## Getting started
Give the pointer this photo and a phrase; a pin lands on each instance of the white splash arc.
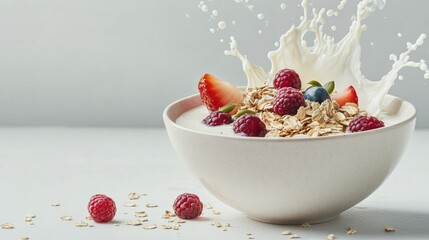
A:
(328, 60)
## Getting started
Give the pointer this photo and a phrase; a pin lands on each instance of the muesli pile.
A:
(283, 109)
(313, 119)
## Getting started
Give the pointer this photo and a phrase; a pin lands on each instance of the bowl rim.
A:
(168, 120)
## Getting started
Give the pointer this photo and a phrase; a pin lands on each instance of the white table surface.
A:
(43, 166)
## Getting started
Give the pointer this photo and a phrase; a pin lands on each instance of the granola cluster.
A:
(313, 119)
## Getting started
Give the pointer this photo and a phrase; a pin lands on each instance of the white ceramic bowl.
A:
(295, 180)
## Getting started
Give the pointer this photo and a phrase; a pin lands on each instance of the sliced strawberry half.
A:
(348, 95)
(216, 93)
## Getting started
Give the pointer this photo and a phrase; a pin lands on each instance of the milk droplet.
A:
(215, 13)
(187, 15)
(276, 44)
(399, 35)
(222, 25)
(233, 22)
(301, 18)
(204, 8)
(330, 13)
(334, 28)
(336, 14)
(283, 6)
(260, 16)
(342, 4)
(371, 43)
(260, 31)
(221, 40)
(212, 30)
(401, 77)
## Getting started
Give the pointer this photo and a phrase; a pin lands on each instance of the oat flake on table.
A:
(7, 226)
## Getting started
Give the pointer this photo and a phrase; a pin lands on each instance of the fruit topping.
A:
(287, 78)
(188, 206)
(217, 118)
(216, 93)
(316, 94)
(287, 101)
(249, 125)
(101, 208)
(348, 95)
(365, 123)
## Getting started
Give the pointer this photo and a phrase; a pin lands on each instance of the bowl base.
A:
(292, 221)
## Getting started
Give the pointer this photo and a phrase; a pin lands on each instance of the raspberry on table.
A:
(250, 125)
(188, 206)
(287, 78)
(365, 123)
(287, 101)
(217, 118)
(101, 208)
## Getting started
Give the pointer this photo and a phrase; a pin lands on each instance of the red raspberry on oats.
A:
(365, 123)
(287, 101)
(188, 206)
(250, 126)
(287, 78)
(218, 118)
(101, 208)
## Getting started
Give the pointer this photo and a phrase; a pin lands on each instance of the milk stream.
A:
(327, 60)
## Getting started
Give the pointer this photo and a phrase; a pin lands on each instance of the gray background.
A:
(120, 62)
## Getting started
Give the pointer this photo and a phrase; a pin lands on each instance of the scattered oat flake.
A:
(29, 217)
(250, 237)
(167, 214)
(287, 233)
(149, 226)
(167, 227)
(89, 218)
(351, 231)
(117, 225)
(31, 223)
(208, 206)
(305, 225)
(55, 204)
(215, 212)
(176, 226)
(293, 236)
(91, 225)
(151, 205)
(140, 214)
(330, 237)
(25, 238)
(130, 204)
(66, 218)
(7, 226)
(389, 229)
(133, 196)
(180, 221)
(82, 224)
(133, 223)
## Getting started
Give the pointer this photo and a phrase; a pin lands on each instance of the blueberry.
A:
(316, 94)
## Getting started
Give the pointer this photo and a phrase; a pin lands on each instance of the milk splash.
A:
(327, 60)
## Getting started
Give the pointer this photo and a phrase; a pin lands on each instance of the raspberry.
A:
(250, 125)
(188, 206)
(287, 101)
(287, 78)
(101, 208)
(217, 118)
(364, 123)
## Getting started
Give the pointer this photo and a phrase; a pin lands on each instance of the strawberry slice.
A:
(216, 93)
(348, 95)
